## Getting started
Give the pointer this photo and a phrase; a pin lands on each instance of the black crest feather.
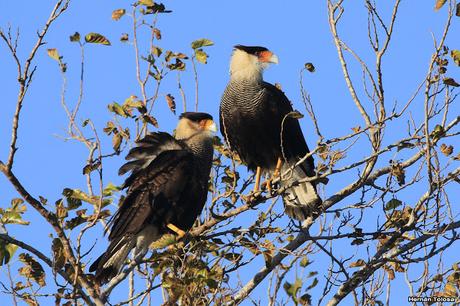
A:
(251, 49)
(195, 116)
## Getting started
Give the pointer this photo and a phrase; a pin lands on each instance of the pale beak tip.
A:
(213, 127)
(274, 59)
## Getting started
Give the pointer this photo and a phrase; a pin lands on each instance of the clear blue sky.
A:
(297, 31)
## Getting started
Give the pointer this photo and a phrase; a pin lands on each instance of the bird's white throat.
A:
(244, 66)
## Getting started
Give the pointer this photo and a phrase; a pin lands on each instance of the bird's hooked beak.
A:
(208, 125)
(268, 57)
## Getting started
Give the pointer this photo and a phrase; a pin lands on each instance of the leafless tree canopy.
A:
(394, 217)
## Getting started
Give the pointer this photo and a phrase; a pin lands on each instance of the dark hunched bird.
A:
(255, 123)
(166, 190)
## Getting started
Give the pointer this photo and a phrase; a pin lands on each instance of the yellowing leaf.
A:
(439, 4)
(157, 33)
(116, 142)
(201, 56)
(357, 241)
(446, 150)
(391, 273)
(358, 263)
(450, 290)
(150, 119)
(32, 269)
(117, 14)
(59, 258)
(455, 54)
(310, 67)
(146, 2)
(398, 171)
(157, 51)
(450, 82)
(96, 38)
(53, 53)
(295, 114)
(356, 129)
(124, 37)
(171, 103)
(75, 37)
(199, 43)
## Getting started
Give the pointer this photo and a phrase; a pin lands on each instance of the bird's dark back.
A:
(251, 115)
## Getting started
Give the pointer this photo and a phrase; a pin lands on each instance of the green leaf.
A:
(77, 194)
(392, 204)
(133, 102)
(164, 241)
(11, 217)
(304, 261)
(91, 167)
(199, 43)
(109, 189)
(293, 289)
(96, 38)
(7, 251)
(313, 284)
(118, 109)
(437, 132)
(13, 214)
(201, 56)
(75, 37)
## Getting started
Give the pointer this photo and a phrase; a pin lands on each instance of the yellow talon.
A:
(258, 175)
(279, 163)
(180, 233)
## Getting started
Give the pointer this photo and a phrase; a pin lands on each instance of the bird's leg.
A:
(257, 183)
(277, 171)
(180, 233)
(279, 163)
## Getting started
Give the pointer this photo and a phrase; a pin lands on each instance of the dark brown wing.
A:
(294, 144)
(153, 192)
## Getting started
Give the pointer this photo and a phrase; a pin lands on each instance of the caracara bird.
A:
(166, 190)
(253, 115)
